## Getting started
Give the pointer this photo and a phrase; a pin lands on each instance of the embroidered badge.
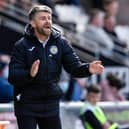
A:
(53, 49)
(31, 49)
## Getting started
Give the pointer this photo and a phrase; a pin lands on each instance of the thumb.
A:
(37, 62)
(98, 62)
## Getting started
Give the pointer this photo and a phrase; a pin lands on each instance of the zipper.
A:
(45, 61)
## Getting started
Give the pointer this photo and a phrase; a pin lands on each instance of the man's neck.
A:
(41, 37)
(94, 104)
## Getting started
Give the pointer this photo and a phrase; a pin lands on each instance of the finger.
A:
(98, 62)
(36, 63)
(35, 67)
(100, 68)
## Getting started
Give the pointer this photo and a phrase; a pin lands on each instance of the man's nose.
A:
(47, 20)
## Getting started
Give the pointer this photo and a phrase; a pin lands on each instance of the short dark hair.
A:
(94, 89)
(114, 81)
(93, 13)
(38, 8)
(108, 2)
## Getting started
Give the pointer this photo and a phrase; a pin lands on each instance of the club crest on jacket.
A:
(53, 50)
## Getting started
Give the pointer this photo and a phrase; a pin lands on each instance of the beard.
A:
(46, 31)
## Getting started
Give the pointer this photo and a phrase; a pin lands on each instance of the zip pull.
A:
(44, 45)
(50, 57)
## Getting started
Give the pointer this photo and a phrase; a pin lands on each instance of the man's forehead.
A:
(43, 14)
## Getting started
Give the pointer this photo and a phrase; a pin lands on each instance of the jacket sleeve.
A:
(72, 63)
(18, 72)
(91, 119)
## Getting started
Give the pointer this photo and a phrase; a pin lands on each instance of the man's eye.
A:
(42, 18)
(49, 18)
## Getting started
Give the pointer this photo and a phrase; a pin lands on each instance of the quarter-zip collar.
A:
(29, 33)
(44, 43)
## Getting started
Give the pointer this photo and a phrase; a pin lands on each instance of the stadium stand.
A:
(13, 22)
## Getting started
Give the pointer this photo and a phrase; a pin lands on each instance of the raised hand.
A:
(34, 68)
(96, 67)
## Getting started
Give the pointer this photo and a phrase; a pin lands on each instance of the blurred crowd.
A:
(111, 88)
(6, 89)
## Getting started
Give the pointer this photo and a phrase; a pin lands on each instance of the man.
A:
(35, 68)
(109, 28)
(92, 115)
(94, 30)
(111, 7)
(111, 87)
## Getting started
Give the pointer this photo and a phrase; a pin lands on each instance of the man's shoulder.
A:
(87, 107)
(62, 40)
(21, 42)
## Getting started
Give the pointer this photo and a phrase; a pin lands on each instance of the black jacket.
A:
(56, 53)
(89, 117)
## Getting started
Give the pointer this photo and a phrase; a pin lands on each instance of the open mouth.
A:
(47, 27)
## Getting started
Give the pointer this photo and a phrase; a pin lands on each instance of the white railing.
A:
(115, 111)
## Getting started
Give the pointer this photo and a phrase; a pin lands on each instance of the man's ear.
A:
(32, 24)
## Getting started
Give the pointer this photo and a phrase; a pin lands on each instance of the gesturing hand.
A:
(96, 67)
(34, 68)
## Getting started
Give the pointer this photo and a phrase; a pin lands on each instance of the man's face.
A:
(100, 19)
(42, 23)
(94, 97)
(113, 8)
(110, 23)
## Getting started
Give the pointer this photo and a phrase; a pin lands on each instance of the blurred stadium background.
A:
(71, 17)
